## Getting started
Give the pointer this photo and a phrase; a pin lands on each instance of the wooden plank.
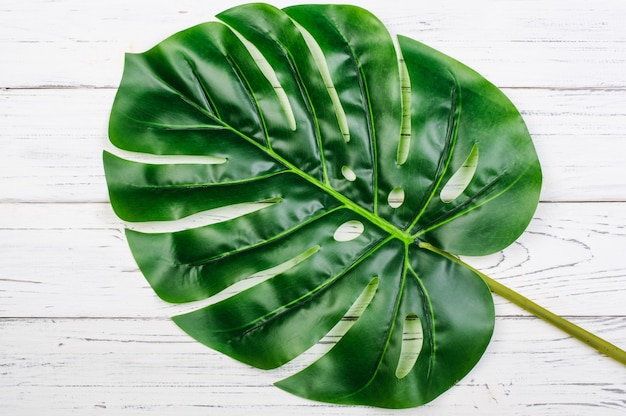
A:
(147, 366)
(53, 145)
(56, 156)
(72, 260)
(578, 141)
(83, 333)
(513, 43)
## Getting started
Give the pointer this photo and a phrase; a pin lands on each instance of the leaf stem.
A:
(568, 327)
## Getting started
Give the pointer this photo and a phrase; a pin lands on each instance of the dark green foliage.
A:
(332, 156)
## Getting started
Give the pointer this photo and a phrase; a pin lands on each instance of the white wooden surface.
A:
(82, 333)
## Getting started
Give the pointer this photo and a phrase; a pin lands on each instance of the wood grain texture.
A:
(82, 333)
(515, 43)
(569, 255)
(148, 366)
(54, 139)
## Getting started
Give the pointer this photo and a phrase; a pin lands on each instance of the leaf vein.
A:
(449, 144)
(446, 215)
(262, 243)
(207, 184)
(310, 295)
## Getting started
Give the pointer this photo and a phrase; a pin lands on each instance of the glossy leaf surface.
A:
(362, 152)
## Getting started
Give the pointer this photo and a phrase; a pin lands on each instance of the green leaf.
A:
(369, 161)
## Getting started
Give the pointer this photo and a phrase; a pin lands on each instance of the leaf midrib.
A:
(347, 202)
(385, 225)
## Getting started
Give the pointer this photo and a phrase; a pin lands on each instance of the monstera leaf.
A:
(370, 163)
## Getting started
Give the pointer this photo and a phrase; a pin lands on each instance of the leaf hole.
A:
(412, 339)
(363, 301)
(354, 313)
(328, 342)
(349, 231)
(396, 197)
(348, 173)
(270, 75)
(154, 159)
(249, 282)
(461, 178)
(322, 65)
(404, 144)
(201, 219)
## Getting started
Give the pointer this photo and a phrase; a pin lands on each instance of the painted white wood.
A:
(53, 140)
(82, 333)
(72, 260)
(148, 366)
(530, 43)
